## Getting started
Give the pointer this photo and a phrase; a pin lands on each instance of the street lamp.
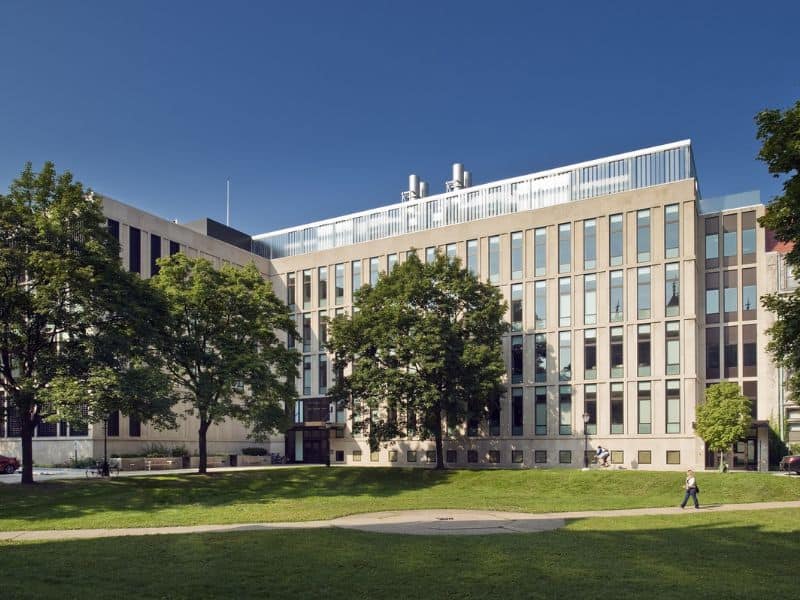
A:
(586, 417)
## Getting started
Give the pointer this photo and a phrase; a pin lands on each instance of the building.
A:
(628, 294)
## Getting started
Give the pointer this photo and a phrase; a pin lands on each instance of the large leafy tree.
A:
(221, 349)
(779, 132)
(724, 417)
(426, 342)
(65, 312)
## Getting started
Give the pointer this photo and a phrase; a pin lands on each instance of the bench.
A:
(157, 464)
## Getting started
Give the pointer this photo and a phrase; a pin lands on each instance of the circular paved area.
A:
(448, 522)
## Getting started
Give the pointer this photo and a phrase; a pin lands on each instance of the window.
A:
(322, 286)
(617, 457)
(472, 256)
(356, 457)
(540, 304)
(411, 456)
(451, 456)
(750, 391)
(672, 289)
(391, 262)
(564, 302)
(540, 456)
(643, 350)
(645, 414)
(450, 252)
(731, 351)
(730, 295)
(375, 456)
(540, 358)
(749, 237)
(306, 375)
(673, 341)
(392, 455)
(564, 356)
(339, 284)
(155, 254)
(729, 239)
(374, 271)
(306, 332)
(430, 456)
(643, 235)
(494, 456)
(749, 351)
(517, 412)
(673, 457)
(516, 359)
(113, 229)
(174, 248)
(472, 456)
(306, 289)
(617, 408)
(135, 250)
(749, 295)
(712, 297)
(540, 251)
(617, 352)
(590, 354)
(494, 259)
(590, 408)
(516, 307)
(494, 420)
(430, 255)
(589, 299)
(643, 293)
(291, 296)
(473, 426)
(564, 248)
(134, 427)
(540, 410)
(589, 244)
(671, 231)
(565, 457)
(615, 243)
(564, 410)
(712, 353)
(322, 374)
(673, 393)
(712, 242)
(516, 255)
(339, 456)
(644, 457)
(355, 276)
(516, 456)
(615, 300)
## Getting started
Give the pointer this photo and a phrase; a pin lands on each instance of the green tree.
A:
(779, 132)
(64, 305)
(724, 417)
(426, 342)
(221, 349)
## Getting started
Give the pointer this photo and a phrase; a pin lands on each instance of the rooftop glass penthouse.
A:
(620, 173)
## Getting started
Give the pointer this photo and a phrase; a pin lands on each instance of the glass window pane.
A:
(516, 359)
(516, 307)
(643, 235)
(673, 392)
(564, 302)
(643, 399)
(472, 256)
(643, 293)
(617, 408)
(564, 356)
(516, 255)
(590, 354)
(564, 410)
(671, 231)
(494, 259)
(617, 352)
(589, 299)
(615, 298)
(540, 251)
(564, 248)
(672, 289)
(540, 304)
(540, 358)
(589, 244)
(643, 350)
(616, 240)
(540, 404)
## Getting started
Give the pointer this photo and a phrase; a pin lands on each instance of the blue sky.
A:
(315, 109)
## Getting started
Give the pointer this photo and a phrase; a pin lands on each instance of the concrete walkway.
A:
(410, 522)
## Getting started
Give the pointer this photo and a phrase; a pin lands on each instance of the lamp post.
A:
(586, 417)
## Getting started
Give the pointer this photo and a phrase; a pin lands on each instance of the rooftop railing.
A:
(620, 173)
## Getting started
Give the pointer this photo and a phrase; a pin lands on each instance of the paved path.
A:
(412, 522)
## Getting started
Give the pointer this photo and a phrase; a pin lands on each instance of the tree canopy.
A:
(65, 309)
(424, 349)
(724, 417)
(221, 348)
(779, 132)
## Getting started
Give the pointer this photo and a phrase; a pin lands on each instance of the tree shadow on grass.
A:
(714, 555)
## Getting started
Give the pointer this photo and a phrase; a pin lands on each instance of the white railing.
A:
(623, 172)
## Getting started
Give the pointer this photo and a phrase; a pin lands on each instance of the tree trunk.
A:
(28, 425)
(204, 425)
(438, 437)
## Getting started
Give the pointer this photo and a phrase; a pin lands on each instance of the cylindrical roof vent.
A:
(413, 185)
(467, 179)
(423, 189)
(458, 175)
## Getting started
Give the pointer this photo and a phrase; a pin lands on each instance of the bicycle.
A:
(98, 470)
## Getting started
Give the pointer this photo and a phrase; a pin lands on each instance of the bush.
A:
(156, 450)
(253, 451)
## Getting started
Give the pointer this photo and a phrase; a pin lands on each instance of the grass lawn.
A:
(688, 555)
(317, 493)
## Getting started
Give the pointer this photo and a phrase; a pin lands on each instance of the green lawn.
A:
(687, 555)
(318, 493)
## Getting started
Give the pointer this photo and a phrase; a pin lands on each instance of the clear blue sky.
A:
(315, 109)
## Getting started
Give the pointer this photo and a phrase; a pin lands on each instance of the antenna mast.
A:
(228, 202)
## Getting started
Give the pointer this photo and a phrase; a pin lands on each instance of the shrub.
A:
(155, 450)
(253, 451)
